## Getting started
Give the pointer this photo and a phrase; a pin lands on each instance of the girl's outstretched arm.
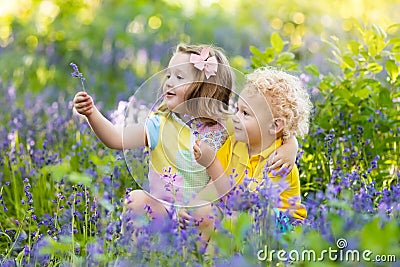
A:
(284, 157)
(111, 135)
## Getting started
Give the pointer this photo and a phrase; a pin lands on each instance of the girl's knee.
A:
(139, 202)
(134, 197)
(206, 216)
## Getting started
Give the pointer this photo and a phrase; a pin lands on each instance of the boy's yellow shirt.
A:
(235, 160)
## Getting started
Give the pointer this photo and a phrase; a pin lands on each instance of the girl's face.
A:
(179, 75)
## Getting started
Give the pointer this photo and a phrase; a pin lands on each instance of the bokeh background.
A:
(118, 44)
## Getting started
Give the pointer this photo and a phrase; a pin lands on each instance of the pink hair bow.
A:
(203, 61)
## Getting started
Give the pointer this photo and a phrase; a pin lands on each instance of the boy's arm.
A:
(284, 157)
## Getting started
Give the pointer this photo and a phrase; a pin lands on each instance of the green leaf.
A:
(393, 26)
(269, 55)
(314, 241)
(383, 240)
(384, 97)
(392, 69)
(52, 247)
(354, 47)
(381, 33)
(57, 171)
(254, 50)
(285, 57)
(374, 67)
(80, 178)
(362, 93)
(277, 42)
(348, 60)
(259, 58)
(243, 223)
(343, 93)
(312, 69)
(394, 41)
(337, 224)
(105, 160)
(256, 62)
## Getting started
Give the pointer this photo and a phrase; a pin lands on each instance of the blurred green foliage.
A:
(119, 43)
(355, 127)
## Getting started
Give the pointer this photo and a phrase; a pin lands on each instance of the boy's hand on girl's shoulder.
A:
(278, 163)
(203, 153)
(83, 103)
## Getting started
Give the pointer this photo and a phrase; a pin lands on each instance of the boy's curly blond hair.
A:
(287, 98)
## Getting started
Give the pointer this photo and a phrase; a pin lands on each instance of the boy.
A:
(272, 107)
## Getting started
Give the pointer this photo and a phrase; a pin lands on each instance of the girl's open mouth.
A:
(170, 94)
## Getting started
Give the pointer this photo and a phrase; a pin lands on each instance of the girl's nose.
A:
(168, 83)
(235, 118)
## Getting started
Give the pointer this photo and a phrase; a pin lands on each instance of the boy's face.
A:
(252, 119)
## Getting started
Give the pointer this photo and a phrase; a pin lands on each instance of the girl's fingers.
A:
(84, 104)
(197, 152)
(184, 215)
(79, 97)
(86, 109)
(83, 99)
(196, 148)
(81, 93)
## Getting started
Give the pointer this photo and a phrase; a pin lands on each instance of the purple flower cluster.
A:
(48, 218)
(77, 74)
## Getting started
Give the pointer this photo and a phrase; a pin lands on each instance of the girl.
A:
(198, 84)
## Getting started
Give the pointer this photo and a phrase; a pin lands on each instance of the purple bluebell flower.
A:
(78, 74)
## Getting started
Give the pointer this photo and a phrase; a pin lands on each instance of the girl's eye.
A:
(168, 76)
(245, 113)
(179, 77)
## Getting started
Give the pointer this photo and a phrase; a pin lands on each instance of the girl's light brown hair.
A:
(212, 95)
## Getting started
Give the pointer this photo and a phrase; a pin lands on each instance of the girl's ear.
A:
(276, 126)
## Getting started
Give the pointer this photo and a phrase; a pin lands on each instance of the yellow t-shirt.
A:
(235, 160)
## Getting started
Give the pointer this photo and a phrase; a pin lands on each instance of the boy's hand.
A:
(203, 153)
(279, 163)
(83, 103)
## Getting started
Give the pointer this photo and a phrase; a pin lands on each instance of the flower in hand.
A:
(77, 74)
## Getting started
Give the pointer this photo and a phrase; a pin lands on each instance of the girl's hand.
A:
(83, 103)
(184, 218)
(203, 153)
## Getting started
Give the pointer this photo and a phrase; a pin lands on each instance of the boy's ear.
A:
(276, 126)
